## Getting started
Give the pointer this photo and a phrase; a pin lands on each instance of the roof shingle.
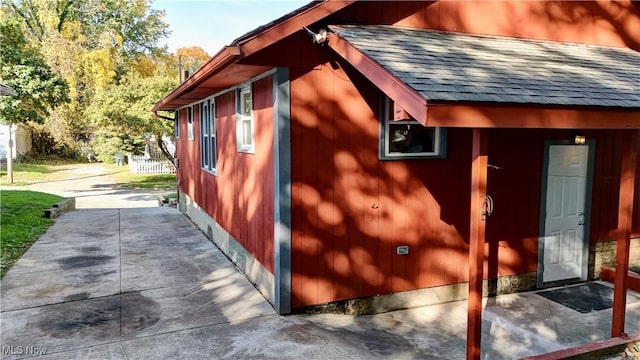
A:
(446, 66)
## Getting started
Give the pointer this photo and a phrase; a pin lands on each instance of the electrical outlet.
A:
(402, 250)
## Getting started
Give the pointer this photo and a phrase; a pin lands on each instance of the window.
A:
(190, 122)
(176, 123)
(208, 145)
(244, 121)
(407, 138)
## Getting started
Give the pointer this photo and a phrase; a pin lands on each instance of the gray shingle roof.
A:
(446, 66)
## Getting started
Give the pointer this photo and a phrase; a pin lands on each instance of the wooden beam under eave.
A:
(479, 163)
(530, 116)
(401, 93)
(630, 151)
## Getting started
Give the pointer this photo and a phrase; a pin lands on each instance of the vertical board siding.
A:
(602, 23)
(351, 211)
(604, 212)
(240, 197)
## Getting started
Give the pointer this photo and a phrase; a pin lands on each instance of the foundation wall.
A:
(603, 254)
(256, 273)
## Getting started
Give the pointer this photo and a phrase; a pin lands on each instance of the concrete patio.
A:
(145, 283)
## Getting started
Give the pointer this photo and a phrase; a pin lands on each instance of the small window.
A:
(176, 123)
(208, 145)
(244, 121)
(190, 122)
(407, 138)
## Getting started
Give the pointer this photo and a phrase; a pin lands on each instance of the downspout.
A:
(163, 117)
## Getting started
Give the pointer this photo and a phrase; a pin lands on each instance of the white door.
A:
(564, 235)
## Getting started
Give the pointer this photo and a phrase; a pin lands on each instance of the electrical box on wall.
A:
(402, 250)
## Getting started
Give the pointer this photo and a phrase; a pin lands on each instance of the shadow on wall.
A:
(350, 210)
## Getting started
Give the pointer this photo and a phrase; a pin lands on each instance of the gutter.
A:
(224, 57)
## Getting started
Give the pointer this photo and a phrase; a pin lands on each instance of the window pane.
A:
(205, 152)
(246, 103)
(411, 138)
(246, 132)
(214, 156)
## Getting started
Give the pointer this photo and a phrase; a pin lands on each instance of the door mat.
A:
(584, 298)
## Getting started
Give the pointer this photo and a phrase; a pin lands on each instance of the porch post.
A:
(625, 221)
(477, 225)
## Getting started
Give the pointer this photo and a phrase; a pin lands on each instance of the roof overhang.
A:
(225, 69)
(447, 111)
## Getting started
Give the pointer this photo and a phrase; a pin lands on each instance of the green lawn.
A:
(29, 173)
(138, 181)
(25, 173)
(21, 223)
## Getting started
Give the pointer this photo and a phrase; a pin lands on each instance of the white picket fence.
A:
(140, 164)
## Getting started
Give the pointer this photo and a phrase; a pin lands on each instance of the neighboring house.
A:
(356, 166)
(20, 135)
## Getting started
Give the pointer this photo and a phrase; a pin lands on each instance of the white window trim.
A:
(190, 122)
(385, 154)
(242, 119)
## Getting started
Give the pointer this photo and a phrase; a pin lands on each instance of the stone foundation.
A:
(603, 254)
(423, 297)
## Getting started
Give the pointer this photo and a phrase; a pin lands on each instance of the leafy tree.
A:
(96, 46)
(122, 116)
(191, 58)
(23, 68)
(132, 24)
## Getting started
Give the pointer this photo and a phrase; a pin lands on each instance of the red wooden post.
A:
(476, 241)
(625, 220)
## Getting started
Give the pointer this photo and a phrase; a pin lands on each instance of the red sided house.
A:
(393, 152)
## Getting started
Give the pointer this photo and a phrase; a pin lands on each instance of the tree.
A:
(23, 68)
(95, 45)
(131, 23)
(191, 58)
(122, 116)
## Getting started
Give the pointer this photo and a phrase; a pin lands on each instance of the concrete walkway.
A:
(144, 283)
(93, 187)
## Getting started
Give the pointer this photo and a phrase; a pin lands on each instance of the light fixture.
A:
(578, 138)
(318, 38)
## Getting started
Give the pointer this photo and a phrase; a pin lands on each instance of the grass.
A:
(29, 173)
(21, 212)
(25, 173)
(21, 223)
(125, 179)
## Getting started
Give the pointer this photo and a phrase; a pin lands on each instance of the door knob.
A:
(580, 214)
(580, 222)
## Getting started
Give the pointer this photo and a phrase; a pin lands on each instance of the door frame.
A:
(591, 144)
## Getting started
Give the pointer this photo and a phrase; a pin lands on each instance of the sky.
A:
(213, 24)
